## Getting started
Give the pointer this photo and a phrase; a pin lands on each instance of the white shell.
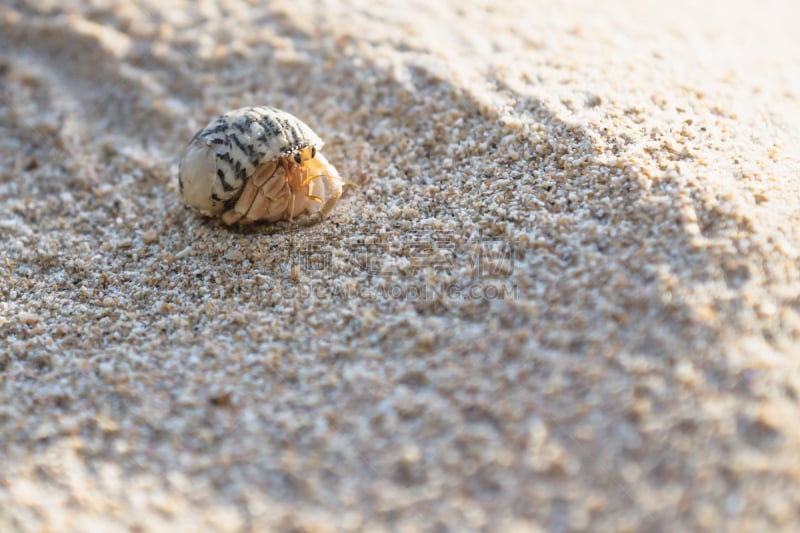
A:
(221, 156)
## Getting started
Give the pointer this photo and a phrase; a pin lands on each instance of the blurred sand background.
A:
(633, 368)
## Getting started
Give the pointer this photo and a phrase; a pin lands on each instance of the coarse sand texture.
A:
(559, 292)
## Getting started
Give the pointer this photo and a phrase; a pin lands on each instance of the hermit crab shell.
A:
(223, 155)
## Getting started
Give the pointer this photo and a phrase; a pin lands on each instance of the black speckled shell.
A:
(244, 139)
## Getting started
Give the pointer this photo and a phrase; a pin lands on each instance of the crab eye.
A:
(297, 158)
(313, 152)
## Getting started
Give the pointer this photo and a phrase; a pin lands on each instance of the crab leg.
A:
(245, 204)
(242, 206)
(273, 196)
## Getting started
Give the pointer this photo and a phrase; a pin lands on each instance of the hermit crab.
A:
(258, 163)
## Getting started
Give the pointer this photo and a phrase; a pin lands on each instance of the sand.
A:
(560, 292)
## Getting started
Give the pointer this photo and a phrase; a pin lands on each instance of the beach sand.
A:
(561, 290)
